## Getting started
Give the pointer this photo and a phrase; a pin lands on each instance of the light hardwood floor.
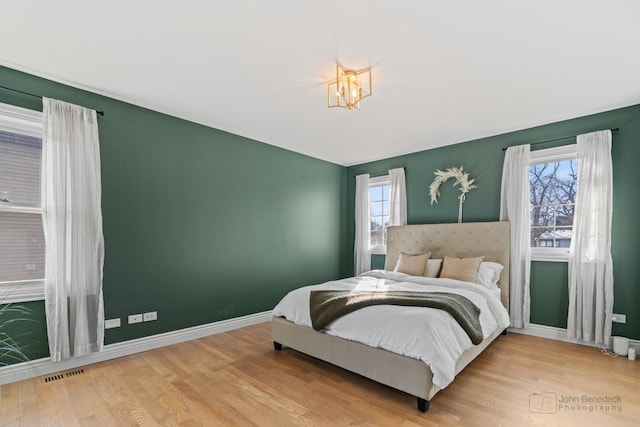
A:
(236, 378)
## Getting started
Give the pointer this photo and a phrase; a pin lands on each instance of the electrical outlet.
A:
(112, 323)
(148, 317)
(135, 318)
(619, 318)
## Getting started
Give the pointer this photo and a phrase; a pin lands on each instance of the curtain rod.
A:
(34, 96)
(558, 139)
(379, 173)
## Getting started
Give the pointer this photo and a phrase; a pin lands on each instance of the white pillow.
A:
(489, 274)
(432, 268)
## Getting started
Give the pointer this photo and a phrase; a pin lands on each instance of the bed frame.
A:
(412, 376)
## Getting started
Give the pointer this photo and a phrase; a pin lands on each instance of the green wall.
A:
(200, 225)
(27, 328)
(483, 159)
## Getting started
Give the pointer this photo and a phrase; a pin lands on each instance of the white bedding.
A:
(402, 329)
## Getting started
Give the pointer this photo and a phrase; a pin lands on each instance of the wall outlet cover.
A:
(619, 318)
(135, 318)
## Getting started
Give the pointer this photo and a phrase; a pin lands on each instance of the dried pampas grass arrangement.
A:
(461, 180)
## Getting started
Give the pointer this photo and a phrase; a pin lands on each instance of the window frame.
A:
(548, 155)
(377, 182)
(26, 122)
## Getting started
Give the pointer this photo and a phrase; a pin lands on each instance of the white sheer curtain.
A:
(514, 207)
(397, 197)
(590, 262)
(72, 219)
(362, 250)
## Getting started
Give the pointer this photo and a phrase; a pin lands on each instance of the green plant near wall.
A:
(10, 351)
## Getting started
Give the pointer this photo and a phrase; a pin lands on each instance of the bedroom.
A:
(181, 224)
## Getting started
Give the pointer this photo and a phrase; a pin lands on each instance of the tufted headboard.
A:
(465, 240)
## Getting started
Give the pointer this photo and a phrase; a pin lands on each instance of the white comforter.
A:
(401, 329)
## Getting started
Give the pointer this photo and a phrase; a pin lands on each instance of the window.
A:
(553, 184)
(22, 247)
(379, 213)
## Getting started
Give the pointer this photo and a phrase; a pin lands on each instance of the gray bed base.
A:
(412, 376)
(490, 239)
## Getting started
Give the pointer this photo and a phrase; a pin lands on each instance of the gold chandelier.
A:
(349, 88)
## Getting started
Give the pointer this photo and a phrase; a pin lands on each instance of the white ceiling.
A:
(443, 71)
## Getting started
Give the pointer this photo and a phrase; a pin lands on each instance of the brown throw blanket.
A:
(327, 306)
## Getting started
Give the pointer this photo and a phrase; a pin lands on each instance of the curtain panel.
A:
(514, 207)
(362, 250)
(590, 261)
(397, 197)
(72, 220)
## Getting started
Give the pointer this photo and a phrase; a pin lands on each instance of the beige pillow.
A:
(464, 269)
(412, 264)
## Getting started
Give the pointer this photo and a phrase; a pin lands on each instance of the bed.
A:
(408, 374)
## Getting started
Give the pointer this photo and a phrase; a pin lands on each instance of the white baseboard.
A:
(560, 334)
(45, 366)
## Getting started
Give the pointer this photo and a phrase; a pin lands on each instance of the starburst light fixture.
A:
(349, 88)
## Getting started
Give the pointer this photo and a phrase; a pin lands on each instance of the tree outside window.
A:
(554, 187)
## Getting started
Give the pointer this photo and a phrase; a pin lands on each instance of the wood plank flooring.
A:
(237, 379)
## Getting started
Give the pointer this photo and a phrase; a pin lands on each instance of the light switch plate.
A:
(151, 315)
(112, 323)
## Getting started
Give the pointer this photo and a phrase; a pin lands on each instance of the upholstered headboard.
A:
(465, 240)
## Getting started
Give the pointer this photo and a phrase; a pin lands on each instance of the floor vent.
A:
(63, 375)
